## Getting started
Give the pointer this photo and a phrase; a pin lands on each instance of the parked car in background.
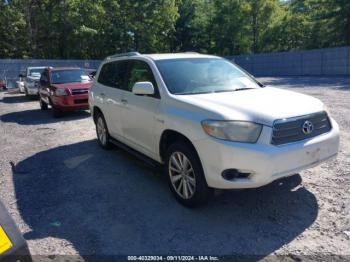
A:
(211, 124)
(12, 245)
(64, 89)
(3, 84)
(31, 80)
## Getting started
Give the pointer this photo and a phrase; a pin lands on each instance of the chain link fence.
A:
(318, 62)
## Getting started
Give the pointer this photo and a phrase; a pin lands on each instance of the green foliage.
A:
(13, 42)
(97, 28)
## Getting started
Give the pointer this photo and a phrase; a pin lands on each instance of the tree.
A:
(13, 40)
(262, 18)
(331, 22)
(193, 26)
(98, 28)
(291, 29)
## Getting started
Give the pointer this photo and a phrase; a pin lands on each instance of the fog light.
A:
(232, 174)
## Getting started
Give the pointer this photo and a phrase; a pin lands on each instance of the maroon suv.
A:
(64, 89)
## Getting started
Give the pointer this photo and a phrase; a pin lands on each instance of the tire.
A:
(26, 92)
(102, 133)
(43, 105)
(198, 192)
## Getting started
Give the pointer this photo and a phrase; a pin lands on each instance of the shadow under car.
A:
(38, 117)
(108, 203)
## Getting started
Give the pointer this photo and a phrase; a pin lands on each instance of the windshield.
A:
(69, 76)
(203, 75)
(36, 71)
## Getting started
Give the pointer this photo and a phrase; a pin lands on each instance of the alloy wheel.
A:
(182, 175)
(101, 131)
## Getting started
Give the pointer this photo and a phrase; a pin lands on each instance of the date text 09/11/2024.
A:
(173, 258)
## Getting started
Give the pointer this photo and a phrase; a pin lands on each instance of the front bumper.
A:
(264, 161)
(71, 102)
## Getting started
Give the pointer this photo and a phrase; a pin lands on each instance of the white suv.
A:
(209, 123)
(31, 80)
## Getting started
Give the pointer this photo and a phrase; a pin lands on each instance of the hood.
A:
(72, 86)
(261, 105)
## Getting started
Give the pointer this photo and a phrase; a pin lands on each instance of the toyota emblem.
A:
(308, 127)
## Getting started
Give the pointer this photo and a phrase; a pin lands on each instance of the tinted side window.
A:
(140, 71)
(113, 74)
(105, 77)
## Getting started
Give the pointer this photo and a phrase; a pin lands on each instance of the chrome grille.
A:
(80, 91)
(291, 130)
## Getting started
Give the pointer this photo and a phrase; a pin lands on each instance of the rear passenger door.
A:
(110, 83)
(139, 112)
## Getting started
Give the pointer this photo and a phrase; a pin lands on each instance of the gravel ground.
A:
(70, 197)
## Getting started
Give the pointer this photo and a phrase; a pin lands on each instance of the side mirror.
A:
(143, 88)
(20, 75)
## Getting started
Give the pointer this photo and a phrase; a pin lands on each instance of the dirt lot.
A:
(70, 197)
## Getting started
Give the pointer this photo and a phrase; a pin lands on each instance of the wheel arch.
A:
(95, 111)
(169, 137)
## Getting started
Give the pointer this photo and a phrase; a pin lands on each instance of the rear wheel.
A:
(185, 175)
(43, 105)
(102, 132)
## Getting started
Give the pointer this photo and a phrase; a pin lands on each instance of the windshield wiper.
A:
(232, 90)
(247, 88)
(222, 91)
(217, 91)
(193, 93)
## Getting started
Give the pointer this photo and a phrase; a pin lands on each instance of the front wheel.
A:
(102, 132)
(185, 175)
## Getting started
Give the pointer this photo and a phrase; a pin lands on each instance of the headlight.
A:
(61, 92)
(238, 131)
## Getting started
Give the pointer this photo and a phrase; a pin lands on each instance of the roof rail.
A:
(123, 54)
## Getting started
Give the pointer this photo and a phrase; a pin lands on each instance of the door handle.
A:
(124, 101)
(102, 94)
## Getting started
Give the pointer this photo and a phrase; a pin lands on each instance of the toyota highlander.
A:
(208, 122)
